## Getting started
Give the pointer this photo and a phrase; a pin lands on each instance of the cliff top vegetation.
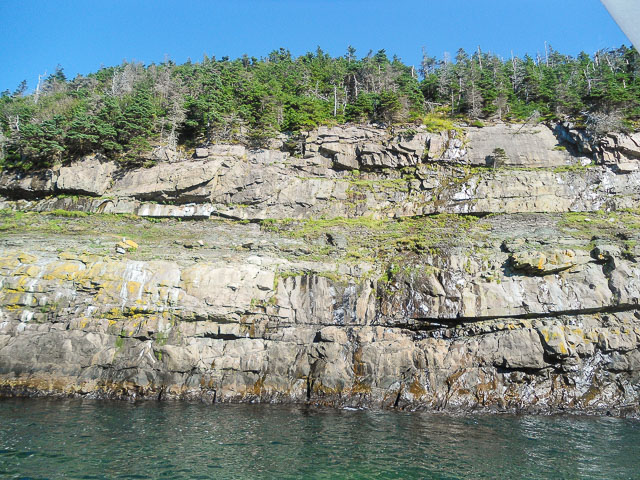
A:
(122, 111)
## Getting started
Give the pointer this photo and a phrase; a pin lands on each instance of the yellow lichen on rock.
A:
(131, 244)
(27, 270)
(9, 261)
(543, 262)
(27, 258)
(62, 270)
(67, 256)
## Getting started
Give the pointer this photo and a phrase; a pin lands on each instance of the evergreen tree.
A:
(122, 111)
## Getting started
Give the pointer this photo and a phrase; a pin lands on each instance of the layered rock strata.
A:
(351, 172)
(341, 292)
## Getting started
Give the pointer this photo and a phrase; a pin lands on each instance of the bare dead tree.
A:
(124, 79)
(546, 54)
(600, 123)
(474, 98)
(3, 144)
(501, 103)
(587, 78)
(36, 95)
(515, 78)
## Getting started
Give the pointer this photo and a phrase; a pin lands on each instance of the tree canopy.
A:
(123, 111)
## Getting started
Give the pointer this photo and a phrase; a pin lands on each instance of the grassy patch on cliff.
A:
(97, 225)
(438, 123)
(340, 242)
(618, 225)
(374, 239)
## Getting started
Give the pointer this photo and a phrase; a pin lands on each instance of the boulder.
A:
(628, 167)
(126, 246)
(201, 152)
(606, 252)
(221, 150)
(543, 262)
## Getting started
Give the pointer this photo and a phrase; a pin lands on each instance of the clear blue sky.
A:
(81, 36)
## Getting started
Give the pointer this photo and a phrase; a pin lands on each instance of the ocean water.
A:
(42, 438)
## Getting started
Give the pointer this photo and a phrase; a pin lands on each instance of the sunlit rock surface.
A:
(485, 268)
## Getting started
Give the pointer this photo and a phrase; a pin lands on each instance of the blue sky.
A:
(81, 36)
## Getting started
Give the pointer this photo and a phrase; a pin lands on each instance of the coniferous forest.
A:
(123, 111)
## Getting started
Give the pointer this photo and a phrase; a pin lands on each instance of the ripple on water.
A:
(95, 440)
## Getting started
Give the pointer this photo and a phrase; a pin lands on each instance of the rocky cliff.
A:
(491, 268)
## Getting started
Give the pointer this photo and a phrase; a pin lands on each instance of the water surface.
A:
(98, 439)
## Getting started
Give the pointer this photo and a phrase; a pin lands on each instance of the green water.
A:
(92, 439)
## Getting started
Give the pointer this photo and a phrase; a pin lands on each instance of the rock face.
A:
(359, 302)
(523, 146)
(350, 172)
(89, 177)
